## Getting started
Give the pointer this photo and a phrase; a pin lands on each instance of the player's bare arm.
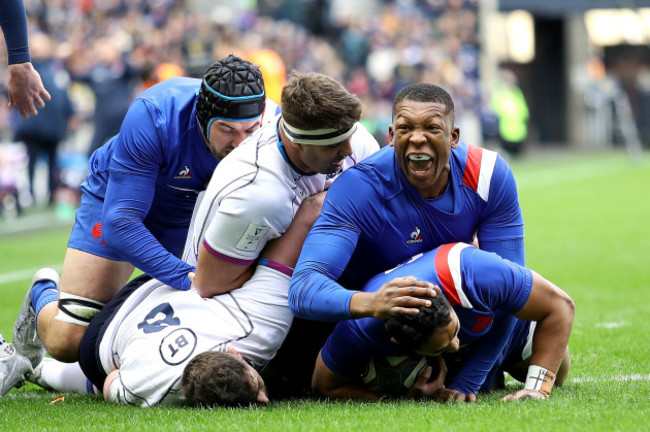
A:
(217, 276)
(327, 383)
(107, 383)
(554, 312)
(397, 296)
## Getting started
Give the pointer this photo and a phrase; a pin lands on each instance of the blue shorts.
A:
(86, 232)
(88, 354)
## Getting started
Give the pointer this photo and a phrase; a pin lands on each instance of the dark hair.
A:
(424, 92)
(412, 331)
(232, 88)
(215, 378)
(316, 101)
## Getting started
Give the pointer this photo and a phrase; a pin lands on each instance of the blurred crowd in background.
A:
(94, 57)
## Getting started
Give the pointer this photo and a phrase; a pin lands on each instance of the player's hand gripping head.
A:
(230, 103)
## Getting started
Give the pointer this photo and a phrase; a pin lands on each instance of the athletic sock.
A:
(43, 293)
(64, 377)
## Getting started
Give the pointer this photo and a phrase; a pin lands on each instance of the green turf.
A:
(587, 229)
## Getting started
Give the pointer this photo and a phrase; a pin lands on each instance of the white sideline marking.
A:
(619, 378)
(26, 274)
(610, 325)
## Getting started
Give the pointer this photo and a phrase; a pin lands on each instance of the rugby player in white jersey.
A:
(271, 173)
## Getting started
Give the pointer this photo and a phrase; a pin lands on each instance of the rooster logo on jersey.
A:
(184, 173)
(415, 236)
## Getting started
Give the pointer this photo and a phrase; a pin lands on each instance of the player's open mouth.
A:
(419, 162)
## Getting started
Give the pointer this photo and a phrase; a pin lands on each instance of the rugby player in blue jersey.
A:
(424, 190)
(494, 315)
(138, 199)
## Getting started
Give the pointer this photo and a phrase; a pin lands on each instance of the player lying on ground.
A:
(153, 344)
(492, 313)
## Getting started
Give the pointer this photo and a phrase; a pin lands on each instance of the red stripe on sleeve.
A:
(441, 261)
(472, 166)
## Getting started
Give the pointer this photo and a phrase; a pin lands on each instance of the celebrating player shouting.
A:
(425, 190)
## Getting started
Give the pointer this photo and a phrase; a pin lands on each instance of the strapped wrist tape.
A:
(539, 379)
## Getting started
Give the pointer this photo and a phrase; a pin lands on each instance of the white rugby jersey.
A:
(254, 194)
(158, 330)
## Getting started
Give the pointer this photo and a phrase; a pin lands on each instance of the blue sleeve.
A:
(129, 194)
(483, 356)
(502, 230)
(13, 22)
(344, 353)
(313, 292)
(493, 283)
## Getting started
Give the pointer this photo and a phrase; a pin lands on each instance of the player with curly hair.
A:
(491, 315)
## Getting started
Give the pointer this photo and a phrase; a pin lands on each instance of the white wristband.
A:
(539, 379)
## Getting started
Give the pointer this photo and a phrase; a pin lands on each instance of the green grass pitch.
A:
(587, 229)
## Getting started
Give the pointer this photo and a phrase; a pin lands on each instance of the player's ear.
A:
(391, 134)
(262, 397)
(455, 136)
(234, 352)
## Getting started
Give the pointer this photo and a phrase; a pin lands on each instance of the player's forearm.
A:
(13, 22)
(332, 385)
(138, 246)
(554, 311)
(552, 336)
(215, 275)
(313, 295)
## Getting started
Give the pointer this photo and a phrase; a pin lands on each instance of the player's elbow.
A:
(321, 386)
(115, 229)
(209, 288)
(567, 306)
(562, 314)
(317, 386)
(294, 296)
(571, 309)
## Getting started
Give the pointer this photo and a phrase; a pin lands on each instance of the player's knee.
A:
(74, 314)
(65, 347)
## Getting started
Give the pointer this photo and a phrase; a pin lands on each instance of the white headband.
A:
(317, 136)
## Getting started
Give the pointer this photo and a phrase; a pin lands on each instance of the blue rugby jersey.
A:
(484, 290)
(157, 164)
(374, 219)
